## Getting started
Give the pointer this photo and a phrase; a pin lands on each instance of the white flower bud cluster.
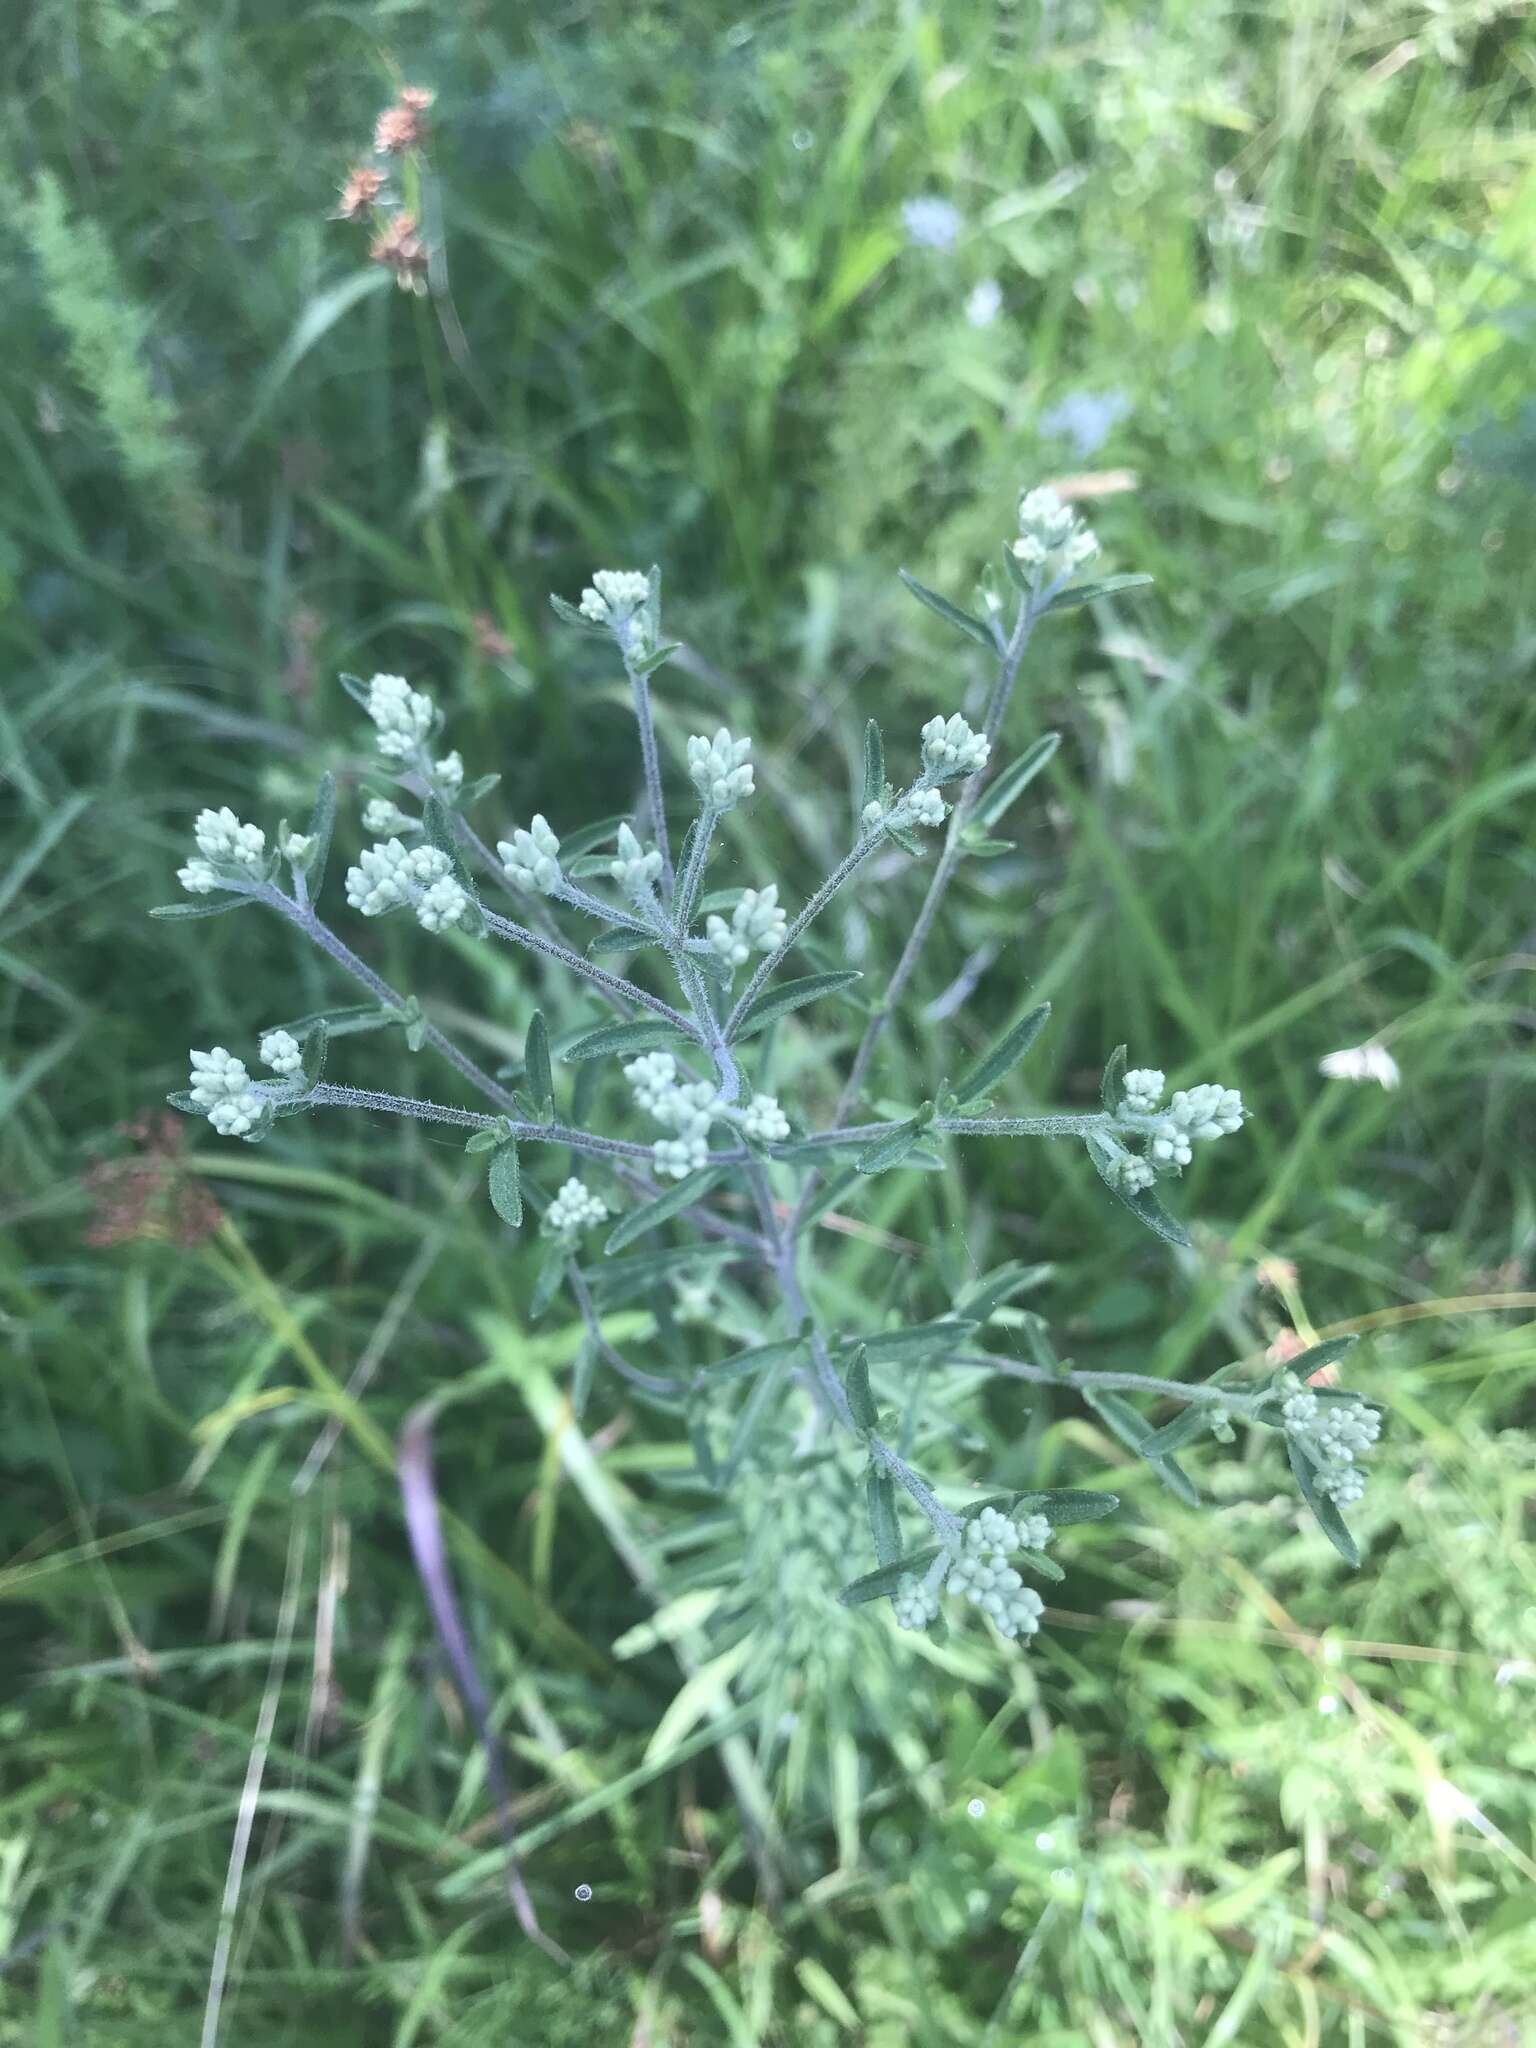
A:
(402, 717)
(296, 848)
(756, 921)
(227, 848)
(992, 1535)
(531, 859)
(1142, 1090)
(871, 814)
(951, 748)
(976, 1569)
(390, 874)
(449, 773)
(222, 1089)
(721, 772)
(927, 807)
(687, 1108)
(386, 820)
(762, 1120)
(914, 1603)
(989, 1583)
(613, 594)
(281, 1052)
(636, 866)
(1192, 1115)
(574, 1209)
(1051, 532)
(1334, 1435)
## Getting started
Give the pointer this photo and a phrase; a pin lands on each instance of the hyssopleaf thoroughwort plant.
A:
(705, 1150)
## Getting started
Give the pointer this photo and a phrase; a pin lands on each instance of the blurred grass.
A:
(1241, 1797)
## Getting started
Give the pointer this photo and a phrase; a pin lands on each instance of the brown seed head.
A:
(363, 186)
(399, 247)
(398, 129)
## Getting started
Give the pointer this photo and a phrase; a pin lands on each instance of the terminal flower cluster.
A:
(1051, 536)
(721, 771)
(1169, 1134)
(390, 875)
(531, 859)
(975, 1567)
(227, 850)
(574, 1209)
(614, 595)
(403, 718)
(1333, 1436)
(685, 1106)
(757, 923)
(950, 748)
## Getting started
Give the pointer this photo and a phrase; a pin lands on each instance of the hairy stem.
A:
(640, 690)
(949, 860)
(647, 1382)
(1106, 1382)
(332, 1095)
(613, 985)
(818, 903)
(310, 924)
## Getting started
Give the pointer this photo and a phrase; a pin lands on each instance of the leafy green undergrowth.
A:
(1235, 1792)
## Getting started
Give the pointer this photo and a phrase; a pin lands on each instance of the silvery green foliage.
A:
(698, 1116)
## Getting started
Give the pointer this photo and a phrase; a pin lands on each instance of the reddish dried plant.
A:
(151, 1194)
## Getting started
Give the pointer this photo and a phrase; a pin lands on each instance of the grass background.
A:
(1235, 1793)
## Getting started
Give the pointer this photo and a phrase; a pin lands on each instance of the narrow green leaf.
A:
(1134, 1432)
(473, 791)
(651, 1215)
(950, 613)
(1063, 1506)
(181, 1098)
(880, 1494)
(1004, 1056)
(619, 938)
(921, 1341)
(1016, 778)
(648, 663)
(984, 1296)
(878, 1585)
(355, 688)
(536, 1074)
(1187, 1427)
(547, 1284)
(1086, 593)
(1308, 1362)
(892, 1149)
(343, 1021)
(1042, 1566)
(1325, 1512)
(582, 1375)
(874, 766)
(506, 1184)
(646, 1035)
(313, 1052)
(322, 823)
(176, 911)
(1114, 1074)
(755, 1411)
(1143, 1204)
(793, 995)
(741, 1364)
(703, 1450)
(489, 1139)
(860, 1400)
(573, 617)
